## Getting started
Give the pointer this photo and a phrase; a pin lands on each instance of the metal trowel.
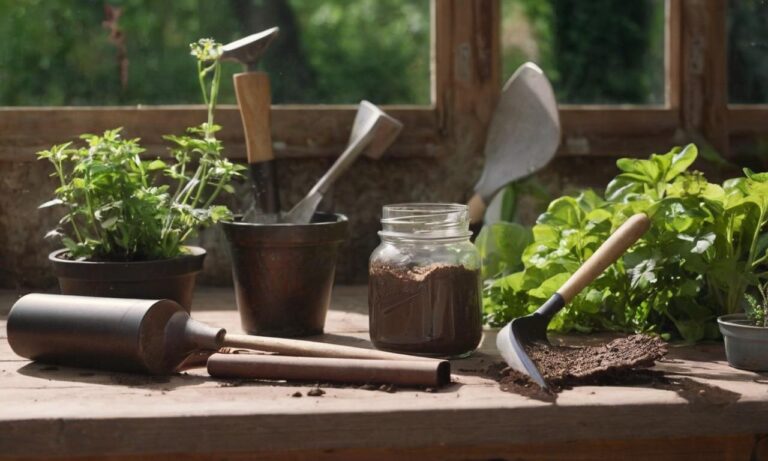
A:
(372, 131)
(532, 328)
(522, 138)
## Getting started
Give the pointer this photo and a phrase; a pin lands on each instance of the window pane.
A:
(59, 52)
(748, 51)
(594, 52)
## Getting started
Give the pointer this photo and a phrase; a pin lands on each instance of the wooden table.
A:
(73, 413)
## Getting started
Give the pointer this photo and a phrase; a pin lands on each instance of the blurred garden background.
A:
(128, 52)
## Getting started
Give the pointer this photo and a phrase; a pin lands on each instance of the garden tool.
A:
(372, 129)
(252, 89)
(139, 335)
(522, 137)
(523, 331)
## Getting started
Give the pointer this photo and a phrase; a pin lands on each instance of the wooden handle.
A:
(611, 250)
(434, 373)
(476, 209)
(254, 100)
(297, 347)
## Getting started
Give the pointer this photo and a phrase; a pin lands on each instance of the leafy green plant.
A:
(707, 245)
(757, 310)
(120, 207)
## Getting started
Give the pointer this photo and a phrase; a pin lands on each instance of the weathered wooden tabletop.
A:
(56, 411)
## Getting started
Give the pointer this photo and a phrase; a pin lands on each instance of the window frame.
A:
(465, 83)
(302, 131)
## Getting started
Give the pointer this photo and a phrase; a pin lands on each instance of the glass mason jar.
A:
(424, 293)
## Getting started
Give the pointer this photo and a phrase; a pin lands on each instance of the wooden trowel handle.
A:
(477, 208)
(610, 251)
(301, 348)
(253, 98)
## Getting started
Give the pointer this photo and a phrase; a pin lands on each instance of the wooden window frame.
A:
(465, 83)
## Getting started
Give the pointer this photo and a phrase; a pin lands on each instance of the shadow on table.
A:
(88, 376)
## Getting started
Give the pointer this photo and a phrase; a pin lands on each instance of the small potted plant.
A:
(746, 335)
(127, 219)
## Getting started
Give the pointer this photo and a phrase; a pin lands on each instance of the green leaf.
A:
(681, 161)
(156, 165)
(501, 247)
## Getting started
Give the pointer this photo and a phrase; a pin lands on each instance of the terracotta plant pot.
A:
(284, 273)
(162, 279)
(746, 345)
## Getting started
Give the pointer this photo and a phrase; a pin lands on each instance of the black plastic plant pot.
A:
(161, 279)
(284, 273)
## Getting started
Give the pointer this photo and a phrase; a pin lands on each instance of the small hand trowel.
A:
(252, 89)
(373, 129)
(532, 328)
(522, 138)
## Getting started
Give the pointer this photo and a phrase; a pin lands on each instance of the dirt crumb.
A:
(316, 392)
(297, 394)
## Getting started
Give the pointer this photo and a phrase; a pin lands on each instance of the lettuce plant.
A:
(120, 207)
(707, 247)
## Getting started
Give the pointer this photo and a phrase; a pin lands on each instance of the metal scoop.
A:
(248, 50)
(138, 335)
(522, 331)
(522, 138)
(373, 129)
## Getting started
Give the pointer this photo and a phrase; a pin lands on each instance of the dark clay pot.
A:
(284, 273)
(162, 279)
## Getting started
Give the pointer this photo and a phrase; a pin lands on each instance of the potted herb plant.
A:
(746, 335)
(127, 219)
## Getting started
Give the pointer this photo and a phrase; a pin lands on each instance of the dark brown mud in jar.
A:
(427, 310)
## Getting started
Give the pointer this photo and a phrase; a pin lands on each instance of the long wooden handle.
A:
(253, 98)
(610, 251)
(301, 348)
(476, 209)
(433, 373)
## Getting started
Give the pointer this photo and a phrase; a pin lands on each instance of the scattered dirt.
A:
(563, 367)
(297, 394)
(621, 362)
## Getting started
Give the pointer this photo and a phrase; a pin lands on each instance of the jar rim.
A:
(427, 221)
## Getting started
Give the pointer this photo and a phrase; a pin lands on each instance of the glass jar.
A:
(424, 293)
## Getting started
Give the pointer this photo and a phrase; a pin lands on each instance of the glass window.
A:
(748, 51)
(594, 52)
(126, 52)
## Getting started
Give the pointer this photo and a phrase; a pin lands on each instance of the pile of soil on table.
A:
(563, 367)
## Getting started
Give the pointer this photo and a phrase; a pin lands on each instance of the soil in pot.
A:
(563, 367)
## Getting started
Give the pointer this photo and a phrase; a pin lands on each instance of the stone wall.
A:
(360, 194)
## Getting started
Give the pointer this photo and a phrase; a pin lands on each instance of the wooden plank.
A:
(704, 99)
(76, 413)
(699, 448)
(298, 131)
(672, 55)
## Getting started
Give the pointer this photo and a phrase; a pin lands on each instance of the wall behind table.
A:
(360, 194)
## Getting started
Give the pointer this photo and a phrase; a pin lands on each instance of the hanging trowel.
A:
(522, 137)
(252, 89)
